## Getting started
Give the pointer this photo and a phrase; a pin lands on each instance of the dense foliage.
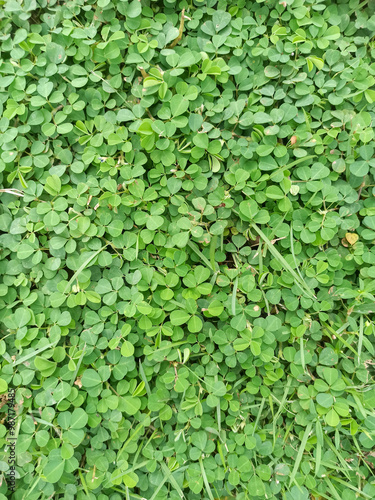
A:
(187, 251)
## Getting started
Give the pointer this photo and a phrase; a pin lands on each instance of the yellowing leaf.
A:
(351, 238)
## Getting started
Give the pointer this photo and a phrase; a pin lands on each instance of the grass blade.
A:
(212, 252)
(205, 480)
(337, 335)
(300, 452)
(281, 407)
(290, 165)
(234, 296)
(172, 480)
(302, 350)
(78, 365)
(348, 485)
(301, 284)
(143, 377)
(83, 266)
(293, 254)
(332, 489)
(345, 465)
(161, 484)
(259, 415)
(318, 458)
(360, 339)
(204, 259)
(32, 354)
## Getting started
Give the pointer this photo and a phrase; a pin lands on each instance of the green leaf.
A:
(199, 439)
(195, 324)
(179, 105)
(131, 405)
(219, 389)
(257, 487)
(201, 141)
(55, 53)
(54, 470)
(332, 33)
(314, 61)
(154, 222)
(328, 357)
(111, 51)
(331, 375)
(3, 386)
(22, 316)
(90, 378)
(274, 193)
(53, 185)
(43, 364)
(24, 251)
(127, 349)
(179, 317)
(248, 209)
(332, 418)
(79, 418)
(215, 308)
(325, 400)
(134, 9)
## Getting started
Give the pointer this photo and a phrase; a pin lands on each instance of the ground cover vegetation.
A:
(187, 248)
